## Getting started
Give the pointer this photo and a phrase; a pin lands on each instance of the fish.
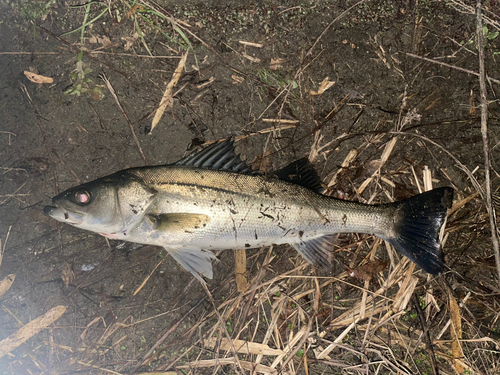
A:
(212, 200)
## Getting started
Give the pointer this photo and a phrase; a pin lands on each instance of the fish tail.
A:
(418, 222)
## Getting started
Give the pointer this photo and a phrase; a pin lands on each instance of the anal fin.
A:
(194, 260)
(316, 251)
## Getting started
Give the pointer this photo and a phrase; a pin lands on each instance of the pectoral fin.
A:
(174, 222)
(194, 260)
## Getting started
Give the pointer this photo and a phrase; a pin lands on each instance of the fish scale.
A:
(242, 205)
(211, 200)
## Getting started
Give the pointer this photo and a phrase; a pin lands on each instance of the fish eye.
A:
(82, 197)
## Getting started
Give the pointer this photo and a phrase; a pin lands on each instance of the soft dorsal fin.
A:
(218, 156)
(301, 172)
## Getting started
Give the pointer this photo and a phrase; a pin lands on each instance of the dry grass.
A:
(373, 312)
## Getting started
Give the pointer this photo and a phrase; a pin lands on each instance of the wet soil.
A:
(56, 135)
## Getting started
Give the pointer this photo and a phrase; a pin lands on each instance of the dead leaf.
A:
(6, 283)
(96, 93)
(130, 40)
(276, 63)
(324, 85)
(37, 78)
(29, 330)
(133, 10)
(167, 95)
(368, 270)
(67, 275)
(105, 41)
(456, 334)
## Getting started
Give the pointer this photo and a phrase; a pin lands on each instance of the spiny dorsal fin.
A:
(219, 156)
(301, 172)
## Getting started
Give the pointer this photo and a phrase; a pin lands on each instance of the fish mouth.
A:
(60, 214)
(48, 210)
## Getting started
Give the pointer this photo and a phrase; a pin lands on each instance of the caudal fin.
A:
(418, 222)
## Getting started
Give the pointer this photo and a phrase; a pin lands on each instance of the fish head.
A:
(108, 205)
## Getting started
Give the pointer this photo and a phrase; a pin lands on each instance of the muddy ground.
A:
(57, 135)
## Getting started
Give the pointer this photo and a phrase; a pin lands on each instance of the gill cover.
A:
(108, 205)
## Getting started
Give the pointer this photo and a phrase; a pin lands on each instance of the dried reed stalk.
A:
(484, 133)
